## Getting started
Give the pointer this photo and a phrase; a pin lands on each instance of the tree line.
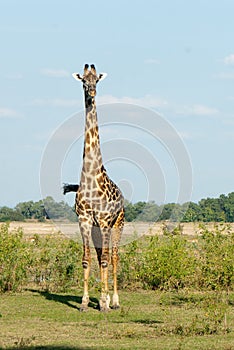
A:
(41, 210)
(219, 209)
(206, 210)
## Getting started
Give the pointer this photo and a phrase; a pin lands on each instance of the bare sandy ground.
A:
(131, 230)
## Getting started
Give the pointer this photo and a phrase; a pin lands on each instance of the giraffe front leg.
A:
(115, 259)
(116, 234)
(86, 263)
(104, 302)
(104, 265)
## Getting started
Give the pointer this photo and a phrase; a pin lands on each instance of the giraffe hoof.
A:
(104, 303)
(104, 309)
(115, 307)
(83, 308)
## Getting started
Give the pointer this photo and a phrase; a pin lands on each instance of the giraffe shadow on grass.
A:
(69, 300)
(48, 347)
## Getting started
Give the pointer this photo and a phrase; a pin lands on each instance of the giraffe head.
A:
(89, 79)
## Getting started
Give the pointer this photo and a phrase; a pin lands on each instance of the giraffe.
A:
(99, 202)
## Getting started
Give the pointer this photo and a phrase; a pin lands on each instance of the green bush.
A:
(131, 259)
(52, 262)
(15, 258)
(216, 259)
(167, 262)
(175, 261)
(56, 262)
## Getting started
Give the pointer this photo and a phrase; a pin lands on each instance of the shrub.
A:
(14, 259)
(175, 261)
(216, 264)
(157, 262)
(167, 262)
(130, 265)
(52, 262)
(56, 263)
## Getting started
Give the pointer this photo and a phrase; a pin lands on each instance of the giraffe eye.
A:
(85, 84)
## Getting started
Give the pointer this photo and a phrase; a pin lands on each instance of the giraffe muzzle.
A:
(92, 93)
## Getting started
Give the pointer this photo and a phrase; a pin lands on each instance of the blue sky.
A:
(174, 57)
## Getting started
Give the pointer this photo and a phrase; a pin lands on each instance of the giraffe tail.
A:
(70, 188)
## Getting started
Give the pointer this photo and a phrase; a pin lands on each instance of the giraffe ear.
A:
(77, 76)
(102, 76)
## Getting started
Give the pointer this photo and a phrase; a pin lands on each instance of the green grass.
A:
(146, 320)
(176, 293)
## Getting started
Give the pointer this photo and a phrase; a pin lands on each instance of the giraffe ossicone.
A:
(99, 202)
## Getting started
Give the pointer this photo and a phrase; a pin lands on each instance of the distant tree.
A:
(25, 209)
(207, 210)
(58, 210)
(39, 212)
(129, 211)
(9, 214)
(210, 209)
(193, 213)
(229, 207)
(133, 211)
(32, 210)
(166, 211)
(150, 212)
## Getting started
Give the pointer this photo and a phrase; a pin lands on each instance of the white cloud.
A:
(151, 61)
(225, 75)
(15, 76)
(229, 60)
(55, 102)
(229, 73)
(197, 110)
(147, 100)
(55, 73)
(8, 113)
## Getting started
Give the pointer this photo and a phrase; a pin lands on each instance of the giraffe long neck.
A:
(92, 157)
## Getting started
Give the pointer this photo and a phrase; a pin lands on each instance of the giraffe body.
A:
(99, 202)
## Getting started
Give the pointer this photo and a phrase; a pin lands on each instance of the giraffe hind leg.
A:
(114, 260)
(85, 229)
(116, 234)
(97, 242)
(100, 239)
